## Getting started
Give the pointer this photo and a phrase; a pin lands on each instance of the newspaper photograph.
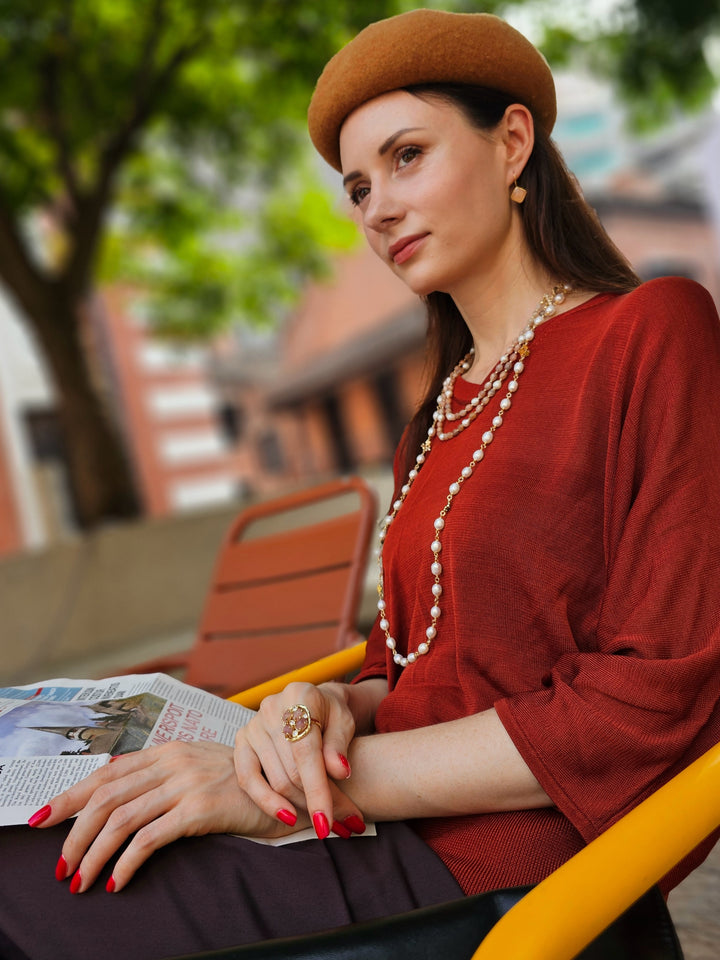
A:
(54, 733)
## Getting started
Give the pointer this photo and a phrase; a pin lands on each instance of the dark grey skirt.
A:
(209, 892)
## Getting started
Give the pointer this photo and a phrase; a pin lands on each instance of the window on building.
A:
(393, 417)
(270, 452)
(344, 459)
(667, 267)
(231, 419)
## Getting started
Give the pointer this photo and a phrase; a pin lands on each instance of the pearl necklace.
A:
(513, 360)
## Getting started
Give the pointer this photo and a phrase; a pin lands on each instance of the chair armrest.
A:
(327, 668)
(580, 899)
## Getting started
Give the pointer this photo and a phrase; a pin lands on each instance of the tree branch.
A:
(93, 205)
(17, 268)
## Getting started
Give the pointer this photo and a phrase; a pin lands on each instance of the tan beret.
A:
(428, 46)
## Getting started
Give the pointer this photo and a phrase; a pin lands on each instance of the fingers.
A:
(286, 776)
(148, 801)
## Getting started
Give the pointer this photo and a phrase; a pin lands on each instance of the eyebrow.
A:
(382, 150)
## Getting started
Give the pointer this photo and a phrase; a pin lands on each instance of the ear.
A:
(518, 135)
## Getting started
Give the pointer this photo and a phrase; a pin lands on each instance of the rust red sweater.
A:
(581, 577)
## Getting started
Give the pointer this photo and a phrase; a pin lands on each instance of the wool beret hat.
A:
(428, 46)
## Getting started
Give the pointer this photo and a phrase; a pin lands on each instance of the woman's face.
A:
(431, 191)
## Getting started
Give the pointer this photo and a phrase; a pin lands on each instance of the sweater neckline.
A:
(466, 389)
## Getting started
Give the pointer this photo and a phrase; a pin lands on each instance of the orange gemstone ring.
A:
(297, 722)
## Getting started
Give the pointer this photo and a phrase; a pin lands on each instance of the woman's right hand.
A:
(283, 777)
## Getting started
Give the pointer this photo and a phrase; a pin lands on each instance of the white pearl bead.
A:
(505, 403)
(384, 624)
(381, 604)
(398, 659)
(431, 633)
(411, 657)
(412, 474)
(497, 421)
(423, 648)
(454, 488)
(439, 523)
(436, 590)
(397, 504)
(487, 437)
(477, 455)
(466, 472)
(403, 661)
(420, 458)
(519, 367)
(436, 546)
(406, 489)
(390, 643)
(497, 384)
(436, 568)
(435, 612)
(512, 386)
(549, 310)
(475, 401)
(466, 422)
(530, 335)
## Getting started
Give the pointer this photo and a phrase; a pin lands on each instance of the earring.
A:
(518, 193)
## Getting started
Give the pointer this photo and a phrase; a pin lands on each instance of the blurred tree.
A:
(655, 52)
(160, 143)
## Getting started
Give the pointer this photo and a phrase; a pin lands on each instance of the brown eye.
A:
(358, 195)
(406, 155)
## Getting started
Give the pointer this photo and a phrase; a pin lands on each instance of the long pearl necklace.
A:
(513, 360)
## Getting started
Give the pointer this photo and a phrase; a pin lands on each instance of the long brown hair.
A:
(562, 231)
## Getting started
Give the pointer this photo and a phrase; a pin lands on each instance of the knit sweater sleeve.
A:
(610, 724)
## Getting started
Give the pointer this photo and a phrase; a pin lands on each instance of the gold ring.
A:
(297, 722)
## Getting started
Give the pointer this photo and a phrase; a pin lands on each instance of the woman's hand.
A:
(282, 777)
(159, 795)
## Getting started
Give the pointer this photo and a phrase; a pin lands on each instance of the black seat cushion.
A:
(454, 930)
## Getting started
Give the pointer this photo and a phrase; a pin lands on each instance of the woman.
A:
(547, 642)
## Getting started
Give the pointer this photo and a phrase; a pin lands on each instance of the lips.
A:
(403, 249)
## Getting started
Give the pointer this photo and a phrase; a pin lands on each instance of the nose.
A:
(383, 209)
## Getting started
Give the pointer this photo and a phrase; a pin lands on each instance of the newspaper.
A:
(55, 733)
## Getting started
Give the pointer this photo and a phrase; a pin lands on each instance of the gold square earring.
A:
(518, 193)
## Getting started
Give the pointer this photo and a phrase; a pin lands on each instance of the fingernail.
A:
(322, 828)
(61, 868)
(355, 824)
(76, 882)
(287, 817)
(341, 831)
(118, 756)
(42, 814)
(110, 885)
(344, 762)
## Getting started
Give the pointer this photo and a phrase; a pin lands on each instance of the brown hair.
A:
(562, 230)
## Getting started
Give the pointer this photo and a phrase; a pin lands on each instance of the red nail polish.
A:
(344, 762)
(110, 885)
(322, 828)
(341, 830)
(286, 817)
(42, 814)
(61, 868)
(116, 757)
(355, 824)
(76, 882)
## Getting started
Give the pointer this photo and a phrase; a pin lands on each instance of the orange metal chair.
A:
(285, 590)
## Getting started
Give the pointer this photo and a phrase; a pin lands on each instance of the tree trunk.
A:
(101, 476)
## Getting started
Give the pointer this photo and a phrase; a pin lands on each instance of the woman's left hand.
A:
(158, 794)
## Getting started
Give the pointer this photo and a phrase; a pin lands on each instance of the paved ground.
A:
(695, 909)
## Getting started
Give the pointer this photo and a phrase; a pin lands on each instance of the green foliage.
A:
(166, 139)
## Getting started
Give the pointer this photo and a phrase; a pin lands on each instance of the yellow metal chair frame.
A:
(560, 916)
